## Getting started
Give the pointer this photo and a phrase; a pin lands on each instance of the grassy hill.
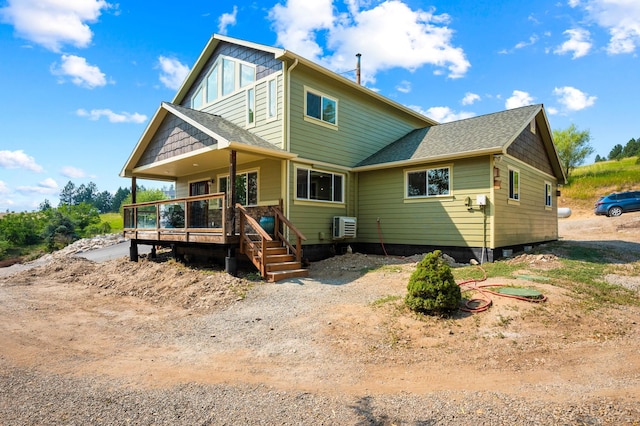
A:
(588, 183)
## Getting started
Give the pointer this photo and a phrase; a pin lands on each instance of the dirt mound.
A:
(162, 281)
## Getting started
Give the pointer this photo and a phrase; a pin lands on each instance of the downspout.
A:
(287, 133)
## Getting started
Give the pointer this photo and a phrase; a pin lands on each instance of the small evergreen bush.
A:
(432, 289)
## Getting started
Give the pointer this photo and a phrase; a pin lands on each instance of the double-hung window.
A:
(514, 184)
(428, 183)
(319, 185)
(321, 107)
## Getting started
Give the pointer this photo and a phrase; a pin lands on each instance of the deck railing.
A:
(202, 214)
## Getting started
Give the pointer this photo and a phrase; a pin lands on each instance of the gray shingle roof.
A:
(484, 133)
(223, 127)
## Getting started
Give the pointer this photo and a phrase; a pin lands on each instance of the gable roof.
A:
(291, 58)
(482, 135)
(222, 131)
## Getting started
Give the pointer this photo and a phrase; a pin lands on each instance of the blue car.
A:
(615, 204)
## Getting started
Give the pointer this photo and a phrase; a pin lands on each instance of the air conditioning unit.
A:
(344, 227)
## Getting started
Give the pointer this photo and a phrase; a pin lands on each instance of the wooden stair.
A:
(274, 256)
(279, 264)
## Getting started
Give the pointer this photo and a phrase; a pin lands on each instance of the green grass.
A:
(589, 182)
(581, 271)
(114, 220)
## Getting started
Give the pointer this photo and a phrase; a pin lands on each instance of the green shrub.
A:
(432, 289)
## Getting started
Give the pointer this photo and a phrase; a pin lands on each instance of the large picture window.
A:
(514, 184)
(428, 183)
(227, 76)
(321, 107)
(246, 187)
(319, 186)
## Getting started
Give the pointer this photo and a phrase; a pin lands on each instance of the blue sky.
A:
(80, 79)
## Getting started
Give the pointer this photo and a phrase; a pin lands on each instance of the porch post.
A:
(134, 186)
(232, 191)
(230, 263)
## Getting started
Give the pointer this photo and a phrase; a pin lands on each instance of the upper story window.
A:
(272, 98)
(547, 194)
(428, 183)
(321, 107)
(319, 185)
(514, 184)
(251, 106)
(227, 76)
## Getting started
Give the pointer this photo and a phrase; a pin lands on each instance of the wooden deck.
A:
(204, 220)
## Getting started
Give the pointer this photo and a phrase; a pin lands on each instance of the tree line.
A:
(77, 216)
(618, 152)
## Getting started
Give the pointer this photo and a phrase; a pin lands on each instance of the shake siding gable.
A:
(174, 137)
(529, 148)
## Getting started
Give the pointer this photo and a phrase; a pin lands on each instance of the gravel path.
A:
(35, 396)
(29, 398)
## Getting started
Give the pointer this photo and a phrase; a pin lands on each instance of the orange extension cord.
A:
(484, 302)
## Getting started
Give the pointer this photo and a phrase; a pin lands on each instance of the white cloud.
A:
(227, 19)
(443, 114)
(73, 172)
(54, 23)
(573, 99)
(79, 71)
(621, 18)
(552, 110)
(4, 189)
(113, 117)
(518, 99)
(578, 43)
(532, 40)
(389, 35)
(46, 187)
(470, 98)
(19, 160)
(404, 86)
(172, 72)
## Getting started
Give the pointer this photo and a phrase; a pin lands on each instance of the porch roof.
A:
(225, 135)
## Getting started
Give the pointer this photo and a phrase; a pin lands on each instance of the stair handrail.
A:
(258, 253)
(280, 217)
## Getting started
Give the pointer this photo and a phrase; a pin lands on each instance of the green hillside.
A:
(588, 183)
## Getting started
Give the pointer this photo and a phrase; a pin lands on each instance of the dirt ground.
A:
(341, 330)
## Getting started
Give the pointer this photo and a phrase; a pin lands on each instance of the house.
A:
(279, 159)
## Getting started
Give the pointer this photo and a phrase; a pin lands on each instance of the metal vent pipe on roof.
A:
(358, 55)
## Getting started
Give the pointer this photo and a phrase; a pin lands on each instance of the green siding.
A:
(269, 177)
(436, 221)
(315, 218)
(363, 127)
(527, 221)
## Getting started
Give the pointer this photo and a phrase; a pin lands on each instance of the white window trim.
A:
(517, 198)
(309, 200)
(317, 120)
(274, 117)
(405, 188)
(248, 106)
(237, 73)
(548, 195)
